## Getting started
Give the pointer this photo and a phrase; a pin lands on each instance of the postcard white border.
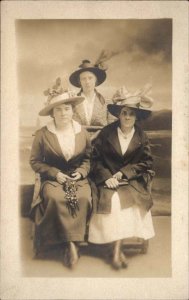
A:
(14, 286)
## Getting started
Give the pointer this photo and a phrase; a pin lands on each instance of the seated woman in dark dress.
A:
(61, 155)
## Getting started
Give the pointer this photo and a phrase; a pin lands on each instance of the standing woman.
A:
(122, 171)
(61, 155)
(93, 110)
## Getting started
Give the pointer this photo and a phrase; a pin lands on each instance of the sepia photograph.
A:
(97, 148)
(95, 129)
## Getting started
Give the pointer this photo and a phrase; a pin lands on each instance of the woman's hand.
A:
(76, 176)
(61, 177)
(112, 183)
(118, 175)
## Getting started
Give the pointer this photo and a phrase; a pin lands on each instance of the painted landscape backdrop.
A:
(159, 130)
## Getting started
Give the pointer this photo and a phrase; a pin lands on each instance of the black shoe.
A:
(74, 257)
(116, 260)
(71, 256)
(66, 257)
(124, 261)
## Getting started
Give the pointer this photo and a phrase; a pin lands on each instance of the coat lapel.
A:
(96, 109)
(80, 114)
(52, 141)
(99, 102)
(133, 145)
(78, 144)
(114, 141)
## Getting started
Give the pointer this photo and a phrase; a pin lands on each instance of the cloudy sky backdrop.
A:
(47, 49)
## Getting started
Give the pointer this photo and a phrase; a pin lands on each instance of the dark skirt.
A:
(53, 222)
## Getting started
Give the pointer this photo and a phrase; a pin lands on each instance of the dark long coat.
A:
(53, 222)
(135, 164)
(47, 157)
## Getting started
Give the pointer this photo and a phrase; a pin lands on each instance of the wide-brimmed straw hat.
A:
(138, 101)
(86, 65)
(56, 96)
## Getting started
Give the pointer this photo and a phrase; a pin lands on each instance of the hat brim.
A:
(99, 73)
(141, 113)
(46, 111)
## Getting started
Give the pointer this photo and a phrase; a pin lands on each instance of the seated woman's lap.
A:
(56, 194)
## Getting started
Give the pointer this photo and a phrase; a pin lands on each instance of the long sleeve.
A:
(100, 171)
(37, 158)
(84, 168)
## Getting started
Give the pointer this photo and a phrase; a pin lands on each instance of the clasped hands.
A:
(61, 177)
(113, 182)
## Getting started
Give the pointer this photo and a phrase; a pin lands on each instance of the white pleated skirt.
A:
(120, 224)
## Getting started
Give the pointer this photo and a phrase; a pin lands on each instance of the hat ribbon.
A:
(138, 98)
(58, 90)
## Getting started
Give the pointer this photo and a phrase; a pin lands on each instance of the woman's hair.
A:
(51, 112)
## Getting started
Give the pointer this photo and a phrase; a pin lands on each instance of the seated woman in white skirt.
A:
(122, 172)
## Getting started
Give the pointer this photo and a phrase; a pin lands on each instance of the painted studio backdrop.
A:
(138, 52)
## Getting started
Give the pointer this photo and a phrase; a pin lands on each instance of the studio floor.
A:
(156, 263)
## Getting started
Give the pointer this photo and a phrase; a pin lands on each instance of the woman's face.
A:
(88, 81)
(127, 117)
(62, 114)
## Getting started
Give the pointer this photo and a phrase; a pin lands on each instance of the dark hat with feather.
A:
(86, 65)
(98, 68)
